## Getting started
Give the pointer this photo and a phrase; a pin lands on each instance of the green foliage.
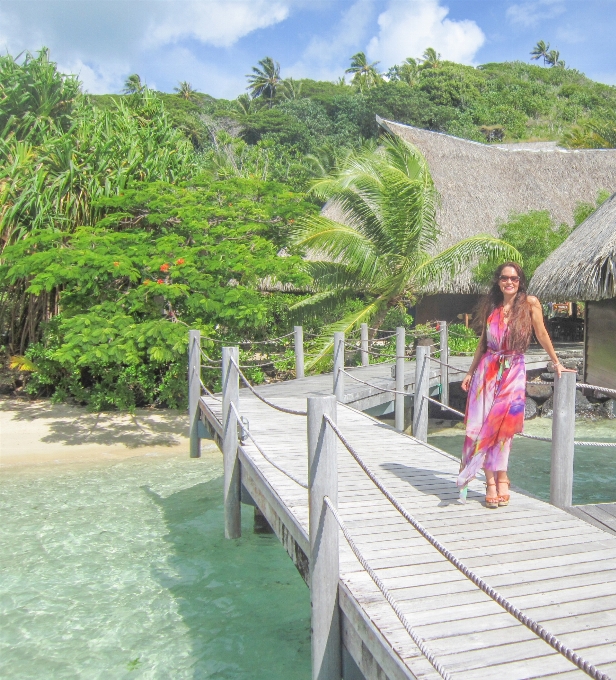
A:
(584, 210)
(533, 234)
(164, 258)
(462, 340)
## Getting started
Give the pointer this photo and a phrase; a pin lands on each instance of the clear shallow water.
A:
(122, 571)
(594, 472)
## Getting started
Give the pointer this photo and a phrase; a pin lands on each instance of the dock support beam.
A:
(399, 398)
(444, 346)
(339, 366)
(365, 357)
(422, 389)
(231, 463)
(323, 531)
(194, 391)
(563, 435)
(298, 332)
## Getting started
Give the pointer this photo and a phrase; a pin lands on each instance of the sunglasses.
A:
(513, 279)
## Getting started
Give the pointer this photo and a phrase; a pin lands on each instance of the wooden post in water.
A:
(324, 549)
(563, 435)
(399, 398)
(422, 389)
(445, 359)
(231, 463)
(339, 366)
(365, 357)
(194, 391)
(299, 351)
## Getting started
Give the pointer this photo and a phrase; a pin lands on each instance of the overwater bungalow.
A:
(480, 185)
(583, 268)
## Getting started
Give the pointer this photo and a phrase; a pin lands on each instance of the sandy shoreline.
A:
(39, 433)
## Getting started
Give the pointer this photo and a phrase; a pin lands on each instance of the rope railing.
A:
(205, 389)
(376, 387)
(417, 639)
(454, 368)
(508, 606)
(245, 430)
(283, 409)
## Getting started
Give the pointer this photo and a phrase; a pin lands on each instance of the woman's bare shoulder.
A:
(533, 301)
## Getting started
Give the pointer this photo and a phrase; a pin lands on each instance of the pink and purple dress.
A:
(495, 404)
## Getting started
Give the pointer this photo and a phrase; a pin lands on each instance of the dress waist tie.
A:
(505, 359)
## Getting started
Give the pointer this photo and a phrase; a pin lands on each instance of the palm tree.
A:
(383, 254)
(431, 58)
(185, 90)
(540, 50)
(291, 89)
(133, 84)
(365, 75)
(409, 71)
(264, 81)
(553, 59)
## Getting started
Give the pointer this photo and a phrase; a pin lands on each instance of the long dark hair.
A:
(520, 324)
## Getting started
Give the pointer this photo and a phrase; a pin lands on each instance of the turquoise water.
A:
(594, 469)
(122, 571)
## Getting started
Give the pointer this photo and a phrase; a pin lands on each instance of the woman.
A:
(496, 380)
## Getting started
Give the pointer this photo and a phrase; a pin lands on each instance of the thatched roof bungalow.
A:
(584, 268)
(481, 185)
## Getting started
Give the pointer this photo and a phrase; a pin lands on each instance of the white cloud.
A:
(406, 29)
(529, 14)
(97, 80)
(218, 22)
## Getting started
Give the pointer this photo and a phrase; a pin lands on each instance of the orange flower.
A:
(116, 264)
(147, 283)
(291, 221)
(180, 261)
(159, 281)
(165, 267)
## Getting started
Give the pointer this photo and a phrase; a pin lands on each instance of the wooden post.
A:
(194, 391)
(232, 481)
(339, 366)
(365, 357)
(422, 389)
(445, 359)
(563, 435)
(399, 398)
(299, 351)
(324, 550)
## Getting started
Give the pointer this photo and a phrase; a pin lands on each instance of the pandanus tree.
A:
(265, 81)
(385, 248)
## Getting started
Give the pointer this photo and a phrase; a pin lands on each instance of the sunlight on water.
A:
(594, 476)
(122, 571)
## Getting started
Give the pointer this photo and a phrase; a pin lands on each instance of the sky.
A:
(213, 44)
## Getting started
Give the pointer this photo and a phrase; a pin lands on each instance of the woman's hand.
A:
(466, 383)
(559, 369)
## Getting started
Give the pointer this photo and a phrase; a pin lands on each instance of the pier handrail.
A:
(501, 600)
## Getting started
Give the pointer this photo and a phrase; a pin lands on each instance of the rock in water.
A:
(547, 376)
(582, 406)
(539, 392)
(530, 409)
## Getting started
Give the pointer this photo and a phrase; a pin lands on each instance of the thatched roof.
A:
(584, 266)
(481, 185)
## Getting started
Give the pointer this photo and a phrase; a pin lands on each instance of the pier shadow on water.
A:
(245, 607)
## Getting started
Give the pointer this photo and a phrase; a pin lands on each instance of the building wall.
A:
(600, 343)
(445, 307)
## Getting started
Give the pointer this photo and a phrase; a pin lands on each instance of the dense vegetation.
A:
(128, 218)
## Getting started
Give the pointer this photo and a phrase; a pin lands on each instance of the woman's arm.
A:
(479, 352)
(536, 314)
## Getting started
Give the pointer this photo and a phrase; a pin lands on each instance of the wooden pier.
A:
(557, 568)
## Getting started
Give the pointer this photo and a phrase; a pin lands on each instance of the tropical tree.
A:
(365, 75)
(185, 90)
(133, 84)
(264, 81)
(291, 89)
(410, 71)
(431, 58)
(384, 251)
(553, 59)
(540, 51)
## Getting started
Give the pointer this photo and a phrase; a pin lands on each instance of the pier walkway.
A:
(555, 567)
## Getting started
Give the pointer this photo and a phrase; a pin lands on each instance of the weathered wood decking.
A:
(556, 567)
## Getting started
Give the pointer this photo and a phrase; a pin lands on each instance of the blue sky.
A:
(214, 43)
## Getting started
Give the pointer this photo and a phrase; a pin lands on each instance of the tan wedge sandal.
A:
(504, 500)
(492, 502)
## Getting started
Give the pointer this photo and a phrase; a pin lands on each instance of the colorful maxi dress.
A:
(495, 404)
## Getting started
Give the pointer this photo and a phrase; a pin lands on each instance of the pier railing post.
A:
(399, 398)
(299, 351)
(563, 435)
(194, 391)
(339, 366)
(232, 481)
(365, 357)
(324, 549)
(444, 346)
(422, 389)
